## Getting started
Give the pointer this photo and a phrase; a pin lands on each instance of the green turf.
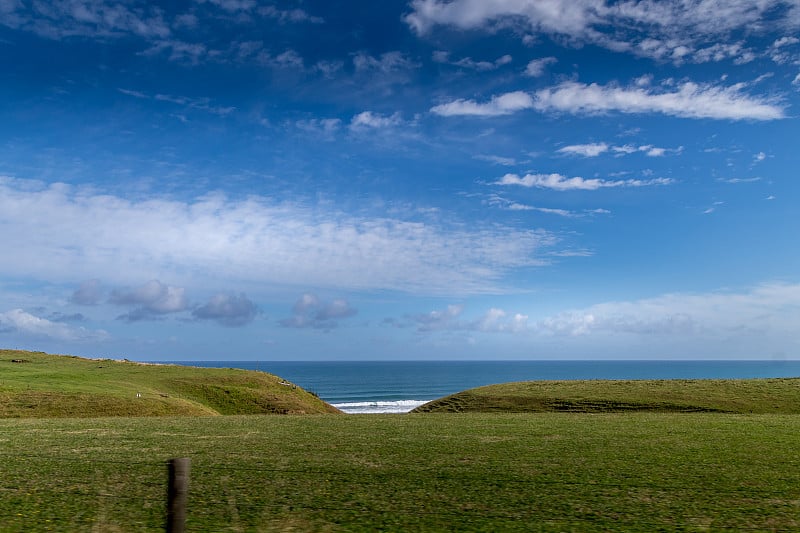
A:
(39, 385)
(435, 472)
(777, 396)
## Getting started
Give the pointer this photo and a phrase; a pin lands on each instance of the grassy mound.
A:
(778, 396)
(39, 385)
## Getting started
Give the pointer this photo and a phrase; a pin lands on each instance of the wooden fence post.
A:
(177, 494)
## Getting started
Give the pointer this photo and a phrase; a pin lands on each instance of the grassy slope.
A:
(46, 386)
(726, 396)
(472, 472)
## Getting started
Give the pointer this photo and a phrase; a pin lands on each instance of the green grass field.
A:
(79, 451)
(433, 472)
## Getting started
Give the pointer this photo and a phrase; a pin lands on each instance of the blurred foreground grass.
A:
(433, 472)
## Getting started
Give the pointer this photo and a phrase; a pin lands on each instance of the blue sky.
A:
(426, 179)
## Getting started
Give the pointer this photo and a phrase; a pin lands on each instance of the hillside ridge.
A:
(767, 395)
(41, 385)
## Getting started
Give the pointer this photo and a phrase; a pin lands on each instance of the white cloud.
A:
(653, 151)
(439, 319)
(467, 62)
(740, 180)
(178, 51)
(666, 30)
(796, 80)
(232, 5)
(563, 183)
(196, 103)
(504, 104)
(60, 19)
(88, 234)
(549, 15)
(586, 150)
(768, 309)
(135, 94)
(753, 323)
(498, 320)
(386, 63)
(537, 67)
(497, 160)
(289, 15)
(785, 41)
(690, 100)
(759, 157)
(720, 51)
(23, 323)
(329, 68)
(495, 320)
(367, 120)
(647, 149)
(287, 59)
(325, 127)
(504, 203)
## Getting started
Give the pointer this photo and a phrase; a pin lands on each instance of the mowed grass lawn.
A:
(428, 472)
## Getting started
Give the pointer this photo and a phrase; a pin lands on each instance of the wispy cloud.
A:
(197, 103)
(739, 180)
(325, 127)
(386, 63)
(443, 57)
(60, 19)
(595, 149)
(289, 15)
(586, 150)
(122, 241)
(497, 160)
(504, 104)
(563, 183)
(537, 67)
(689, 100)
(504, 203)
(699, 31)
(495, 320)
(232, 5)
(367, 120)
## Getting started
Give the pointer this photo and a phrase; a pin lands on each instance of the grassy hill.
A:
(39, 385)
(778, 396)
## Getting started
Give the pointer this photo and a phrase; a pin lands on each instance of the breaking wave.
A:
(379, 407)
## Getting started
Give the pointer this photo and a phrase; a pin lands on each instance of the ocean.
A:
(366, 387)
